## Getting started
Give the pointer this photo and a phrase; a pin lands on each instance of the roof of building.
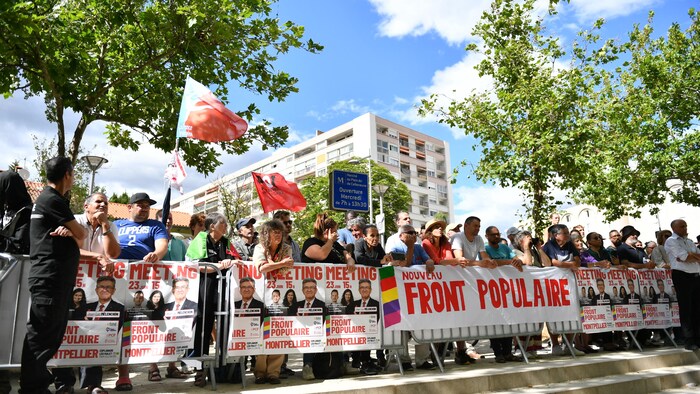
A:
(116, 210)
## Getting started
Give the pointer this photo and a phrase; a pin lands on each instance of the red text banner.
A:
(461, 297)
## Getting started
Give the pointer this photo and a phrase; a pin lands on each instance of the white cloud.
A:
(349, 106)
(451, 83)
(587, 10)
(494, 205)
(452, 20)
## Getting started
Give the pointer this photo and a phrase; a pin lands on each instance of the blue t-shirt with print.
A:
(502, 253)
(139, 239)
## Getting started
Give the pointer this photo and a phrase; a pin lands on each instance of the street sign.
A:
(349, 191)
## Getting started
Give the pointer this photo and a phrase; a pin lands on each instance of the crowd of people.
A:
(58, 239)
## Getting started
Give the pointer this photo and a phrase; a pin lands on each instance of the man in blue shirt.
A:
(141, 238)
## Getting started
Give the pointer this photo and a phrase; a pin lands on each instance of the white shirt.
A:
(93, 240)
(471, 250)
(677, 248)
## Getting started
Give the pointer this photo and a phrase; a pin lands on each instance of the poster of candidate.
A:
(247, 289)
(161, 303)
(353, 303)
(594, 299)
(657, 287)
(93, 333)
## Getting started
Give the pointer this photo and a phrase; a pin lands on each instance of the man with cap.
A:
(685, 271)
(141, 238)
(452, 229)
(510, 233)
(246, 240)
(628, 254)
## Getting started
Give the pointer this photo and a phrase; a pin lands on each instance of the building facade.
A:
(418, 160)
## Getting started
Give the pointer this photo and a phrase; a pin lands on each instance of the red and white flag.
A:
(175, 173)
(204, 117)
(276, 193)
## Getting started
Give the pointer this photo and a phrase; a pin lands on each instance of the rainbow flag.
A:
(583, 318)
(328, 326)
(266, 328)
(126, 334)
(614, 313)
(390, 296)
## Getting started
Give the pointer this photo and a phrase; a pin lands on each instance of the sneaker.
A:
(307, 373)
(407, 366)
(513, 358)
(286, 371)
(273, 380)
(578, 352)
(558, 351)
(501, 359)
(532, 355)
(426, 366)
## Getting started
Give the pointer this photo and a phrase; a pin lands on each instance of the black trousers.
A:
(688, 293)
(48, 317)
(502, 346)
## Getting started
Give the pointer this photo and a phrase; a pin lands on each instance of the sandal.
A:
(200, 379)
(123, 384)
(154, 375)
(175, 373)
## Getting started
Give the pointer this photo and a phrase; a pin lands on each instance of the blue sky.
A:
(380, 56)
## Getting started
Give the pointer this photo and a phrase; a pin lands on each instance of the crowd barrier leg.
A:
(437, 357)
(668, 335)
(522, 349)
(633, 335)
(393, 355)
(568, 345)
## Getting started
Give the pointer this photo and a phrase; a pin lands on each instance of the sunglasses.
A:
(288, 222)
(410, 232)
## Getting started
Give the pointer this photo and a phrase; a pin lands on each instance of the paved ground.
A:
(353, 380)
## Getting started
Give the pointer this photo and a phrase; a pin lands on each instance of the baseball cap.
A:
(244, 222)
(512, 231)
(454, 226)
(136, 197)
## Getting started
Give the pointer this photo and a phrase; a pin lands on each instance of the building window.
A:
(393, 147)
(393, 162)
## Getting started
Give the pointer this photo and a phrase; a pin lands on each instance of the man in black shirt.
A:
(55, 240)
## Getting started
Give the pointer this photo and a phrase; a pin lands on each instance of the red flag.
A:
(276, 193)
(204, 117)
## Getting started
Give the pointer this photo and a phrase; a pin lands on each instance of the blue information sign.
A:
(349, 191)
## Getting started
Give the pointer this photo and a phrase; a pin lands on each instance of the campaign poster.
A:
(301, 328)
(353, 306)
(161, 303)
(595, 302)
(247, 289)
(93, 333)
(626, 309)
(657, 287)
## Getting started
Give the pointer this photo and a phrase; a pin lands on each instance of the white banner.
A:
(460, 297)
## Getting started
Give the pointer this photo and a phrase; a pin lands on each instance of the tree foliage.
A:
(316, 192)
(120, 198)
(526, 124)
(125, 63)
(45, 150)
(236, 201)
(644, 104)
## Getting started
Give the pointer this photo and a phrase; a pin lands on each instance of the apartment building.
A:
(416, 159)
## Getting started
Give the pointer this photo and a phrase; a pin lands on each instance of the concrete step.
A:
(646, 381)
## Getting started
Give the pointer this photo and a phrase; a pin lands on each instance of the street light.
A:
(381, 189)
(94, 163)
(369, 181)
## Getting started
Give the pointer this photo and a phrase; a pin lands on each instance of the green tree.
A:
(120, 198)
(526, 124)
(316, 192)
(125, 63)
(645, 100)
(236, 201)
(46, 149)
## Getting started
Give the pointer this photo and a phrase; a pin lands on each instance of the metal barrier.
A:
(14, 304)
(203, 361)
(476, 332)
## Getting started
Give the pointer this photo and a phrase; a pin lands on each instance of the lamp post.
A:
(94, 163)
(381, 189)
(369, 181)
